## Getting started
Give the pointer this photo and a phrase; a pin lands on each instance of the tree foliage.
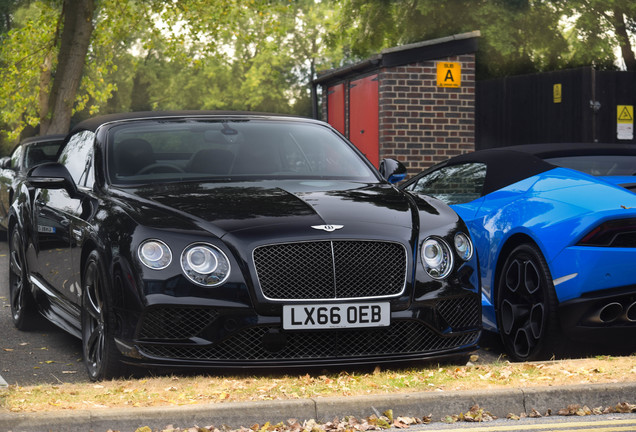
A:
(150, 55)
(518, 36)
(597, 27)
(47, 73)
(261, 55)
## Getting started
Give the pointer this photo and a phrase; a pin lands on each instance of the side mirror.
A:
(5, 162)
(392, 170)
(52, 175)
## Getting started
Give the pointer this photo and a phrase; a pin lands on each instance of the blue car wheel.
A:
(526, 301)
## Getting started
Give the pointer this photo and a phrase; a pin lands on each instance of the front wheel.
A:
(101, 357)
(526, 306)
(22, 304)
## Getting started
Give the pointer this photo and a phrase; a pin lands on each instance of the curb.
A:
(3, 384)
(499, 402)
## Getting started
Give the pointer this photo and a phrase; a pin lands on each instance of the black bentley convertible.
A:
(222, 239)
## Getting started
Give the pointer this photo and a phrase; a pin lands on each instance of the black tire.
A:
(101, 358)
(527, 306)
(22, 303)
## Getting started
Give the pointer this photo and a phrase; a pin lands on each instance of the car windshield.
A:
(598, 165)
(229, 150)
(41, 152)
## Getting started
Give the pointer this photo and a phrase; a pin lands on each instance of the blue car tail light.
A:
(614, 233)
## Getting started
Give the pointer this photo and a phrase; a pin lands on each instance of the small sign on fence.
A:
(625, 122)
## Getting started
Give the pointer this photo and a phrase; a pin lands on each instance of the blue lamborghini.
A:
(554, 227)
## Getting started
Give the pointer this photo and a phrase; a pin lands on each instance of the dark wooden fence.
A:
(525, 109)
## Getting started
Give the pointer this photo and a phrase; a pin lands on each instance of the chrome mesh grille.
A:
(461, 313)
(402, 337)
(173, 323)
(331, 269)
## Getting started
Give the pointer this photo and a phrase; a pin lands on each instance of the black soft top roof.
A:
(508, 165)
(95, 122)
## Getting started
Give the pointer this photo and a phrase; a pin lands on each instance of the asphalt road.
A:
(45, 354)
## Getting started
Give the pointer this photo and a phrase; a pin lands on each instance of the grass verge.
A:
(185, 390)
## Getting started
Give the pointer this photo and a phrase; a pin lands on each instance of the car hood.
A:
(232, 207)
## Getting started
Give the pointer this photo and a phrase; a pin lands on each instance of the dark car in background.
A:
(554, 226)
(242, 240)
(13, 169)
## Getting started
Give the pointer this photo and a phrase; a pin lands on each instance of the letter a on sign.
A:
(449, 74)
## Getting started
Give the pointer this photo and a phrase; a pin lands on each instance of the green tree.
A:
(53, 62)
(7, 9)
(262, 59)
(518, 36)
(598, 27)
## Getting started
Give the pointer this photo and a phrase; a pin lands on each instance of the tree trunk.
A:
(623, 38)
(44, 95)
(77, 17)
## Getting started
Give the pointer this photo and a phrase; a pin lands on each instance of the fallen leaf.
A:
(625, 408)
(534, 414)
(450, 419)
(389, 415)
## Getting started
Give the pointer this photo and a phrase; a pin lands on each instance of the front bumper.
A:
(172, 335)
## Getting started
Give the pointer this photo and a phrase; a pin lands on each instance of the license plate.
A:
(339, 315)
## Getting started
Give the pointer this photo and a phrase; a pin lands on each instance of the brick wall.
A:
(420, 123)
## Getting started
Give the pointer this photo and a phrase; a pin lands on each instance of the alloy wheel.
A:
(93, 322)
(18, 285)
(526, 304)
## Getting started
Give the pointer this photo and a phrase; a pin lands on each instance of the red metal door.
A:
(363, 117)
(336, 107)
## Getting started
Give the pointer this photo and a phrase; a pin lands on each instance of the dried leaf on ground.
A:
(476, 414)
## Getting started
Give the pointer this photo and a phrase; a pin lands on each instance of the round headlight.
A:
(463, 246)
(437, 258)
(202, 260)
(155, 254)
(205, 264)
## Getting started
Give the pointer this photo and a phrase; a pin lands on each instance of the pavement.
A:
(499, 402)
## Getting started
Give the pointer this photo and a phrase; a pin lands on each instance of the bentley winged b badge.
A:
(328, 228)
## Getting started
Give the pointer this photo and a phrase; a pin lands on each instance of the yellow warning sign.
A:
(625, 113)
(625, 122)
(449, 74)
(557, 93)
